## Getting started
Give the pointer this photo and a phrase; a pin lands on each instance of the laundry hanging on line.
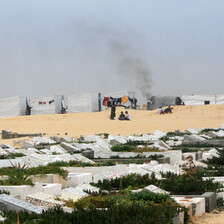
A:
(125, 99)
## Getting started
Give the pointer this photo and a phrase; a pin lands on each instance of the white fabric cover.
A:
(200, 99)
(47, 108)
(15, 106)
(85, 102)
(118, 94)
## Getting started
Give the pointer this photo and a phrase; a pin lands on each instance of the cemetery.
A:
(164, 177)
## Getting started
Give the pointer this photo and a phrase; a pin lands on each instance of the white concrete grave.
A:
(159, 133)
(72, 193)
(42, 140)
(199, 204)
(16, 204)
(52, 189)
(57, 149)
(75, 179)
(23, 190)
(194, 131)
(43, 199)
(156, 190)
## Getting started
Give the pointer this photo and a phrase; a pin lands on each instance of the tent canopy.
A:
(203, 99)
(47, 105)
(85, 102)
(14, 106)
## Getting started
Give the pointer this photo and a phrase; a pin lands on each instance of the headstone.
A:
(117, 140)
(57, 149)
(88, 154)
(81, 158)
(28, 144)
(194, 131)
(42, 140)
(156, 190)
(8, 203)
(193, 139)
(164, 160)
(69, 148)
(66, 139)
(159, 133)
(210, 201)
(55, 138)
(43, 199)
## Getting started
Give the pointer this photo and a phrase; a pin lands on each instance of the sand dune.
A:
(183, 117)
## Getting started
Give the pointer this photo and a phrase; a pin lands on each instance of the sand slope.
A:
(183, 117)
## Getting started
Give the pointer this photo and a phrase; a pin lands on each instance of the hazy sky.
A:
(67, 47)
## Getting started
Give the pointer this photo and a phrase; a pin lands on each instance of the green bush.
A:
(189, 183)
(12, 156)
(132, 148)
(217, 160)
(43, 170)
(123, 148)
(20, 176)
(134, 180)
(80, 164)
(135, 208)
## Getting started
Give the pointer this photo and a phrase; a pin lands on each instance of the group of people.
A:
(168, 110)
(122, 116)
(125, 116)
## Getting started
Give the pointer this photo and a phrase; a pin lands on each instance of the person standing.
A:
(113, 111)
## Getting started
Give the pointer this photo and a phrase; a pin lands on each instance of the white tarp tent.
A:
(11, 107)
(85, 102)
(47, 105)
(120, 95)
(202, 99)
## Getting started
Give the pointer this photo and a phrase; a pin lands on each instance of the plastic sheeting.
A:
(121, 94)
(86, 102)
(201, 99)
(11, 107)
(118, 94)
(46, 105)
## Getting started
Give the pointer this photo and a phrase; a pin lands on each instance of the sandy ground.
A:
(216, 217)
(183, 117)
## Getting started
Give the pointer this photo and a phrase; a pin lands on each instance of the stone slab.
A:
(69, 148)
(8, 203)
(210, 201)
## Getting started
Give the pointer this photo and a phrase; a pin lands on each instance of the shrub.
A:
(217, 160)
(43, 170)
(12, 156)
(123, 148)
(134, 180)
(189, 183)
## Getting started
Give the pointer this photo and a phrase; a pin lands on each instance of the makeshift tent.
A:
(117, 95)
(203, 99)
(15, 106)
(85, 102)
(47, 105)
(162, 101)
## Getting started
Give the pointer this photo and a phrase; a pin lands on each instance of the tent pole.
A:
(99, 101)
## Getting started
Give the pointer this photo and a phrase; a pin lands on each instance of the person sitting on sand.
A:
(168, 110)
(122, 116)
(160, 110)
(128, 116)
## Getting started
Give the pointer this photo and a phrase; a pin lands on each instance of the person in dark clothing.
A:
(135, 103)
(113, 111)
(168, 110)
(122, 116)
(28, 110)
